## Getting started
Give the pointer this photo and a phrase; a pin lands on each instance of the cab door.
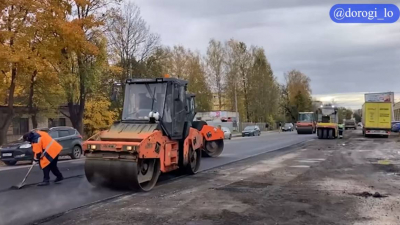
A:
(179, 112)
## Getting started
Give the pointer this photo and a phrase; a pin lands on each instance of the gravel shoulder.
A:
(343, 181)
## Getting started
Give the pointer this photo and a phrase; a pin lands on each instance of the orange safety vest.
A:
(49, 148)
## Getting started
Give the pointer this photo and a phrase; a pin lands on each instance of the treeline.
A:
(69, 52)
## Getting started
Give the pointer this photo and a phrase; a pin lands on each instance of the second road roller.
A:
(155, 135)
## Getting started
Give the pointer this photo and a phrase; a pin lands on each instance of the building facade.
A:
(396, 111)
(22, 124)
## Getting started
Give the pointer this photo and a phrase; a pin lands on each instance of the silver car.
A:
(288, 127)
(227, 133)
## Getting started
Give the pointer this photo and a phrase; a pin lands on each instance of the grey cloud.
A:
(217, 8)
(295, 34)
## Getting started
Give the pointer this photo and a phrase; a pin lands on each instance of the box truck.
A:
(377, 114)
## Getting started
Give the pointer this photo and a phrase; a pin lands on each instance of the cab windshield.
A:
(327, 115)
(327, 111)
(305, 117)
(141, 98)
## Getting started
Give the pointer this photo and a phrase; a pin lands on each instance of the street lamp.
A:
(236, 105)
(236, 110)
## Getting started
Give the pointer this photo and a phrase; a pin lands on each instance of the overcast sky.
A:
(342, 60)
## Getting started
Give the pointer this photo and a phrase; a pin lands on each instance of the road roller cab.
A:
(153, 136)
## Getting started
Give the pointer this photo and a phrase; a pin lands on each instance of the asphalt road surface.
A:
(33, 203)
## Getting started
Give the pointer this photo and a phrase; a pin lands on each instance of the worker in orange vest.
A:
(45, 151)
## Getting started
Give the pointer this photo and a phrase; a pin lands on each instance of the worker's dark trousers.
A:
(53, 168)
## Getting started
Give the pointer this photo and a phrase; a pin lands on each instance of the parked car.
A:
(288, 127)
(227, 133)
(19, 150)
(251, 131)
(395, 126)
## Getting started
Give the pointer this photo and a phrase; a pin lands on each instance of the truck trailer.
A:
(377, 114)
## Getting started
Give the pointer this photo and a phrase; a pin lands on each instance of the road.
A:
(33, 203)
(354, 180)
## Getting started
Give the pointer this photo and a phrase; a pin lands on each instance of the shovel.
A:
(26, 176)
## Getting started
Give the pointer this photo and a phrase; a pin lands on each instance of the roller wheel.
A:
(213, 148)
(324, 133)
(330, 134)
(319, 133)
(140, 176)
(194, 161)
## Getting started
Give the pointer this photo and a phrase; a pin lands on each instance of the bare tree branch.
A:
(130, 37)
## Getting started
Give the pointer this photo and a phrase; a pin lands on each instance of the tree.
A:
(349, 114)
(296, 94)
(262, 83)
(131, 40)
(357, 115)
(26, 45)
(98, 115)
(197, 82)
(177, 61)
(83, 56)
(238, 66)
(185, 64)
(341, 114)
(215, 64)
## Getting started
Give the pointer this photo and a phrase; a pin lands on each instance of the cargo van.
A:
(377, 118)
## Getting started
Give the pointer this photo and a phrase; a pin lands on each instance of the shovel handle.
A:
(29, 171)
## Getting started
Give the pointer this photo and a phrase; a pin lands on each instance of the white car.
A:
(227, 133)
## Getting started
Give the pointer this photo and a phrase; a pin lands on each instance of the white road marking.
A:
(308, 161)
(318, 159)
(300, 166)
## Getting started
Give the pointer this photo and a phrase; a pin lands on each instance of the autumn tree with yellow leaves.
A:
(27, 35)
(296, 94)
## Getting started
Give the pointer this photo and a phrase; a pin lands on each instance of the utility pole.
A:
(236, 109)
